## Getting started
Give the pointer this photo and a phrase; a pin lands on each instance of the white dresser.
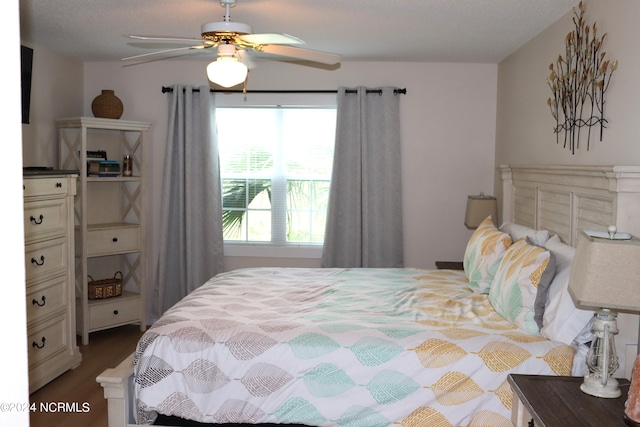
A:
(50, 275)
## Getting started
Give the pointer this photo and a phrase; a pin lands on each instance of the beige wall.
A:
(56, 91)
(448, 125)
(524, 126)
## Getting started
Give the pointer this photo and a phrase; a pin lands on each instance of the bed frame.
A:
(561, 199)
(566, 199)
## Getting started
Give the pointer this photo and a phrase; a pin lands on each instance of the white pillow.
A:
(562, 320)
(517, 232)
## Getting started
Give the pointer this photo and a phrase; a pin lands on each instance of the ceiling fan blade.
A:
(169, 39)
(269, 38)
(246, 58)
(160, 52)
(299, 53)
(150, 59)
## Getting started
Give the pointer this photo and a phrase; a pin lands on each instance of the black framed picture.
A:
(26, 61)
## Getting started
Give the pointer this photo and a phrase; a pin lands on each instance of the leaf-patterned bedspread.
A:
(345, 347)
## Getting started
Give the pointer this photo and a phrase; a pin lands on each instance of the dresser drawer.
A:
(115, 311)
(47, 186)
(45, 259)
(45, 218)
(47, 339)
(109, 240)
(47, 298)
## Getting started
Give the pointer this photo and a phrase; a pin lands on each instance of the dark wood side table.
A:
(550, 401)
(449, 265)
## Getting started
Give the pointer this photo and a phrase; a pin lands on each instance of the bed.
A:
(375, 347)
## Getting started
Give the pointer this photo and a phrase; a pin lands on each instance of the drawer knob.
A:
(36, 345)
(35, 261)
(36, 220)
(58, 185)
(43, 299)
(115, 239)
(115, 312)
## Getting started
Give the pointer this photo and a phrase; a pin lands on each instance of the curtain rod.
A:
(378, 91)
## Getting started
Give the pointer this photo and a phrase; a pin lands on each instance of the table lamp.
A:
(605, 275)
(478, 209)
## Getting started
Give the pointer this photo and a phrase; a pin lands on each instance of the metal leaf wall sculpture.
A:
(579, 81)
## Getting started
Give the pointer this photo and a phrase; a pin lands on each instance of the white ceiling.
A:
(484, 31)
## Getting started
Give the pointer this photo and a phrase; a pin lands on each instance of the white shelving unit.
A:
(109, 220)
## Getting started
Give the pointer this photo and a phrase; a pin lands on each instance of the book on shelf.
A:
(104, 168)
(109, 165)
(108, 174)
(93, 167)
(94, 159)
(96, 155)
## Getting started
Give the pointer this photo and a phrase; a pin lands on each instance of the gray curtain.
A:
(191, 246)
(364, 224)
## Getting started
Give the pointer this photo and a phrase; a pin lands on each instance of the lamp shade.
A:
(227, 71)
(606, 273)
(478, 209)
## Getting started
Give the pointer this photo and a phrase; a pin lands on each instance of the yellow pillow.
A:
(482, 257)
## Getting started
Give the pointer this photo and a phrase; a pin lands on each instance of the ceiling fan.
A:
(233, 40)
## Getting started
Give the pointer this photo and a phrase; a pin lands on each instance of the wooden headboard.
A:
(566, 199)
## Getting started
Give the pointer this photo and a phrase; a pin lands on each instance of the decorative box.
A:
(105, 288)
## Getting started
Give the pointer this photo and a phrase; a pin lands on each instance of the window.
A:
(276, 170)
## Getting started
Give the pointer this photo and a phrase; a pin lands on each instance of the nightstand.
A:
(449, 265)
(540, 400)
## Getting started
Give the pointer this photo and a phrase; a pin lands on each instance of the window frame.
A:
(309, 100)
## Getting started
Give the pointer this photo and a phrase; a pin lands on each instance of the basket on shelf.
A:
(105, 288)
(107, 105)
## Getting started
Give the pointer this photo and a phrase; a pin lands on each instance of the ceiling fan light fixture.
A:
(227, 71)
(233, 40)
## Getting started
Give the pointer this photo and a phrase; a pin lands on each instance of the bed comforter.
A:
(347, 347)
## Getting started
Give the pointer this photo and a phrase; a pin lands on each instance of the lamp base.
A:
(593, 385)
(628, 421)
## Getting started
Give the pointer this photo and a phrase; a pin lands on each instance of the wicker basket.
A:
(105, 288)
(107, 105)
